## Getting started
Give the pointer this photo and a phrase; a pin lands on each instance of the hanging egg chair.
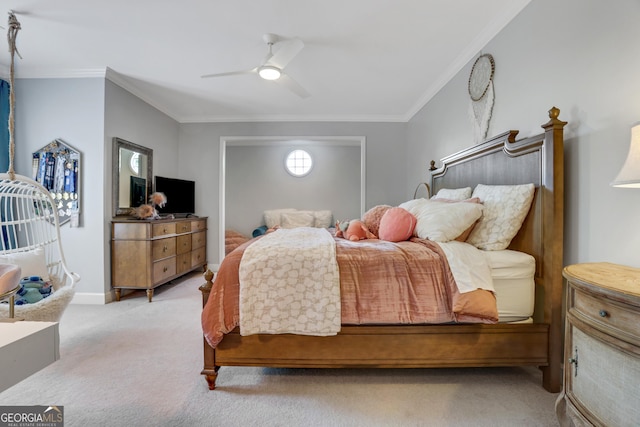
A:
(30, 238)
(30, 233)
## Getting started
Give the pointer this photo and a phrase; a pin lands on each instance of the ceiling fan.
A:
(273, 64)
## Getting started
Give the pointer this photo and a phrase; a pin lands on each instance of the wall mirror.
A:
(132, 175)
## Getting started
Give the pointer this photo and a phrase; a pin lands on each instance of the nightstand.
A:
(602, 346)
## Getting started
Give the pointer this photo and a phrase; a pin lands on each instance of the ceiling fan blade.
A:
(293, 86)
(230, 73)
(287, 51)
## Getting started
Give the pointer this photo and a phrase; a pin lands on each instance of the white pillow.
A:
(272, 217)
(453, 193)
(442, 222)
(297, 219)
(505, 208)
(323, 219)
(32, 263)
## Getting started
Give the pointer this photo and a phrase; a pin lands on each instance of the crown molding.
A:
(116, 78)
(290, 118)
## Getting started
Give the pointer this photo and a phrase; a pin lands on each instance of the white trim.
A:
(281, 140)
(91, 298)
(290, 118)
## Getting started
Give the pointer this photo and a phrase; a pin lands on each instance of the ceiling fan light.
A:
(269, 72)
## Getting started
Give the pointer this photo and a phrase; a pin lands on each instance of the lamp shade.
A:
(629, 176)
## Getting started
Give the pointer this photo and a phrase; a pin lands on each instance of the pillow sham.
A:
(396, 225)
(297, 219)
(458, 194)
(442, 222)
(465, 234)
(322, 219)
(505, 208)
(32, 263)
(272, 216)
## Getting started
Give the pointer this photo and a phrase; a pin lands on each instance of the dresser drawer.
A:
(183, 227)
(198, 257)
(606, 315)
(163, 248)
(183, 263)
(164, 269)
(163, 229)
(198, 240)
(184, 244)
(199, 225)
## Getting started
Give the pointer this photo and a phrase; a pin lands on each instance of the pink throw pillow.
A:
(397, 225)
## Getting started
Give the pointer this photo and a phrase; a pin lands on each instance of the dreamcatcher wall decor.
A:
(482, 96)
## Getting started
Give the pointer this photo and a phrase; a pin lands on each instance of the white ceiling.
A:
(363, 60)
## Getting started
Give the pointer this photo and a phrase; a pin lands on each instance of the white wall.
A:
(199, 160)
(87, 113)
(72, 110)
(580, 56)
(256, 180)
(128, 117)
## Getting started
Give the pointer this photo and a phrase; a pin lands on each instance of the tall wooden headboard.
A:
(539, 160)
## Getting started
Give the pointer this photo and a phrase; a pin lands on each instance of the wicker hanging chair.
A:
(30, 232)
(30, 228)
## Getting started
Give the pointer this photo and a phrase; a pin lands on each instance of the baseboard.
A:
(90, 298)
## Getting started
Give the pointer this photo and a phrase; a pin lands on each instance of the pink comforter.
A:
(380, 283)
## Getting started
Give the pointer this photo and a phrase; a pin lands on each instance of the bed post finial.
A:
(206, 287)
(554, 112)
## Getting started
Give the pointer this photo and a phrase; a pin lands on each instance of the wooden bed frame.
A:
(499, 160)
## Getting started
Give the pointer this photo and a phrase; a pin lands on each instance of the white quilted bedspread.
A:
(289, 283)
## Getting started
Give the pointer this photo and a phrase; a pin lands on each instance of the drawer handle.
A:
(574, 361)
(164, 248)
(164, 230)
(603, 313)
(164, 270)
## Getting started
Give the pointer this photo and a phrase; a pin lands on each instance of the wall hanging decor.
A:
(482, 96)
(57, 167)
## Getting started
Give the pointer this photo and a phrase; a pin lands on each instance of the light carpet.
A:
(134, 363)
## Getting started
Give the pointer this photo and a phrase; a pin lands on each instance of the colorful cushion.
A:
(373, 216)
(396, 225)
(505, 208)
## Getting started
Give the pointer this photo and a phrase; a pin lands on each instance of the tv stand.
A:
(148, 253)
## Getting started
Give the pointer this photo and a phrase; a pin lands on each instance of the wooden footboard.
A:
(500, 160)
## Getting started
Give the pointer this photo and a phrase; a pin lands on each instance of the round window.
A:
(134, 163)
(298, 163)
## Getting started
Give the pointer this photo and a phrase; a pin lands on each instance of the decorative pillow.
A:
(505, 208)
(323, 219)
(32, 263)
(272, 217)
(397, 225)
(297, 219)
(465, 234)
(457, 194)
(373, 216)
(442, 222)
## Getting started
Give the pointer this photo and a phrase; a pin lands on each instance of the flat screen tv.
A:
(180, 196)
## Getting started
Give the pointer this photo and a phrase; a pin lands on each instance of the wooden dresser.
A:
(602, 346)
(146, 254)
